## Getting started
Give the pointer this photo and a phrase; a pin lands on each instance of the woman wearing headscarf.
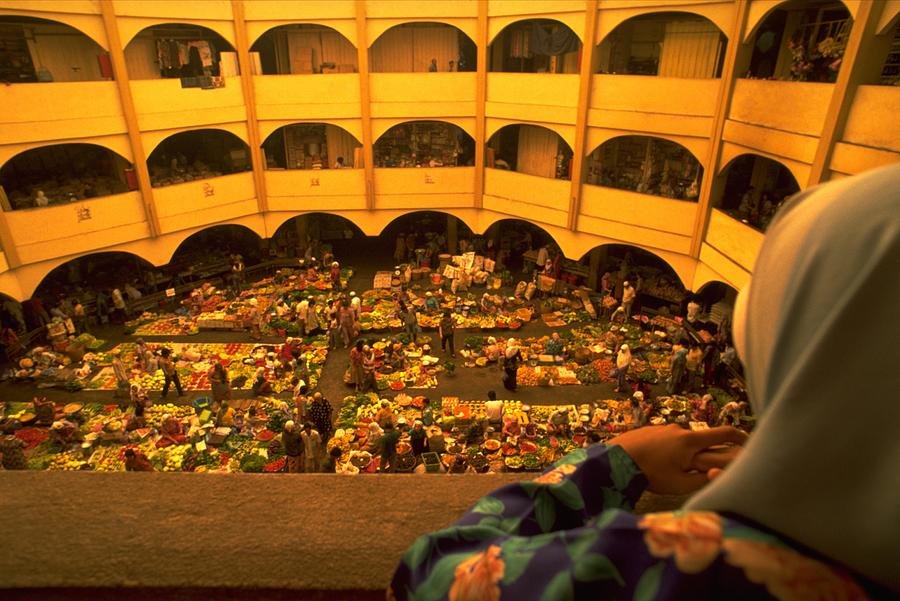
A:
(807, 510)
(623, 362)
(511, 365)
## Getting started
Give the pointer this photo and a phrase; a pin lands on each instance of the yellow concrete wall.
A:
(541, 199)
(710, 262)
(187, 205)
(256, 29)
(336, 189)
(418, 187)
(327, 96)
(645, 210)
(539, 97)
(281, 10)
(51, 232)
(801, 105)
(849, 159)
(174, 10)
(164, 104)
(79, 109)
(874, 118)
(739, 242)
(794, 152)
(422, 95)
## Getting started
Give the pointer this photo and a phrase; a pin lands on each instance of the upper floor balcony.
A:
(416, 188)
(205, 202)
(316, 190)
(536, 97)
(736, 241)
(665, 105)
(80, 226)
(542, 199)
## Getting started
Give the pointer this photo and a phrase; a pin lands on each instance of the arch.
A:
(539, 236)
(240, 236)
(889, 18)
(382, 126)
(351, 126)
(97, 268)
(666, 169)
(410, 47)
(531, 151)
(498, 25)
(547, 38)
(378, 27)
(396, 221)
(715, 288)
(199, 153)
(62, 171)
(316, 214)
(760, 11)
(314, 138)
(76, 22)
(672, 43)
(200, 44)
(620, 250)
(764, 178)
(404, 145)
(566, 132)
(132, 28)
(327, 45)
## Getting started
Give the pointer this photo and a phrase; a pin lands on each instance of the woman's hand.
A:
(679, 461)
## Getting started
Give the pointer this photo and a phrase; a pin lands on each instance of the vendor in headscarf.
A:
(260, 385)
(65, 434)
(808, 509)
(511, 365)
(335, 275)
(623, 363)
(170, 431)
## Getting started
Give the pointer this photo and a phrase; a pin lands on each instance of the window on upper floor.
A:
(38, 50)
(422, 47)
(196, 55)
(197, 155)
(535, 46)
(303, 48)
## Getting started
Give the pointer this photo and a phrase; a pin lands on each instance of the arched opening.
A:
(39, 50)
(195, 54)
(196, 155)
(207, 252)
(301, 48)
(801, 41)
(311, 146)
(659, 289)
(645, 165)
(755, 188)
(514, 244)
(12, 314)
(529, 149)
(667, 44)
(716, 300)
(324, 231)
(433, 232)
(418, 47)
(535, 46)
(63, 173)
(424, 144)
(86, 277)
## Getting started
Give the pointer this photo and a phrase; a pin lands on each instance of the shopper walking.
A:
(628, 296)
(677, 369)
(293, 448)
(623, 363)
(219, 383)
(512, 358)
(312, 448)
(357, 372)
(170, 374)
(388, 448)
(445, 329)
(319, 413)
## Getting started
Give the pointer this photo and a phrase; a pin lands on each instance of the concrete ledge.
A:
(259, 531)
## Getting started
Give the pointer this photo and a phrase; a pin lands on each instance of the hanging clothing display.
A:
(553, 41)
(187, 58)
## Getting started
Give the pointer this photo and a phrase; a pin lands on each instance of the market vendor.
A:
(373, 440)
(417, 438)
(555, 346)
(65, 434)
(487, 304)
(558, 423)
(136, 461)
(511, 426)
(704, 409)
(384, 415)
(431, 302)
(733, 412)
(11, 455)
(427, 412)
(225, 416)
(493, 408)
(170, 431)
(44, 411)
(260, 385)
(436, 442)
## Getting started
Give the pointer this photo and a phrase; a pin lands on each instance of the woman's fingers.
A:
(703, 439)
(716, 458)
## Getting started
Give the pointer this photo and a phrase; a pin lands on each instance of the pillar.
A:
(596, 258)
(452, 235)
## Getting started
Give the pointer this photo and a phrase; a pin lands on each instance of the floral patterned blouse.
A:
(565, 535)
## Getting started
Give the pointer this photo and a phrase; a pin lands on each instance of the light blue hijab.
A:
(818, 330)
